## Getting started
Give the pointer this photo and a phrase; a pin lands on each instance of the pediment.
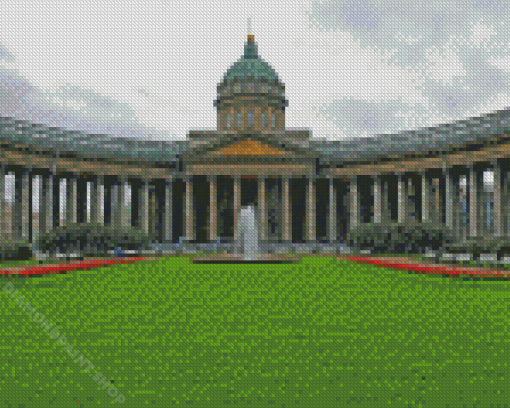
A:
(246, 147)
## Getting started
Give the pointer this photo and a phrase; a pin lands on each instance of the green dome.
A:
(251, 65)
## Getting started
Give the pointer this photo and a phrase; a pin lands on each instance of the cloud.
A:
(70, 107)
(5, 56)
(455, 50)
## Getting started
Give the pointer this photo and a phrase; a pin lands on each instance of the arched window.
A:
(251, 118)
(273, 120)
(263, 120)
(228, 120)
(239, 120)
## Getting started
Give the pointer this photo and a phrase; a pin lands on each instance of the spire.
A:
(250, 48)
(251, 37)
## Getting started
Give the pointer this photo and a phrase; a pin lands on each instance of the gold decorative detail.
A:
(249, 147)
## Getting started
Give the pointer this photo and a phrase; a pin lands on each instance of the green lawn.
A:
(321, 333)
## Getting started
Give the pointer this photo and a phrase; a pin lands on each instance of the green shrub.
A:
(92, 239)
(411, 237)
(476, 246)
(15, 250)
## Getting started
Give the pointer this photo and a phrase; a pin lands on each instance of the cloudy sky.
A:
(351, 68)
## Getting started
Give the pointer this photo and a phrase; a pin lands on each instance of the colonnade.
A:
(433, 195)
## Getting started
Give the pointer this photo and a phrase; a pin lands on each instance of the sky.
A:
(150, 69)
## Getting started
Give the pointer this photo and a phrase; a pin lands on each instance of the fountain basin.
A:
(238, 259)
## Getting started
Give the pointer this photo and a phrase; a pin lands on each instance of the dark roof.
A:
(81, 143)
(440, 138)
(250, 65)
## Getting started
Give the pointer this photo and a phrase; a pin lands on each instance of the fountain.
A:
(247, 246)
(248, 233)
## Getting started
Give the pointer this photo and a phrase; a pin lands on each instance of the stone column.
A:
(483, 228)
(22, 205)
(121, 213)
(436, 215)
(168, 224)
(310, 210)
(46, 203)
(354, 201)
(143, 206)
(114, 203)
(57, 202)
(237, 206)
(81, 199)
(450, 196)
(153, 222)
(332, 210)
(2, 202)
(213, 208)
(189, 209)
(16, 206)
(263, 208)
(473, 202)
(497, 199)
(411, 193)
(377, 199)
(286, 209)
(402, 198)
(40, 197)
(504, 201)
(385, 203)
(71, 190)
(425, 208)
(96, 215)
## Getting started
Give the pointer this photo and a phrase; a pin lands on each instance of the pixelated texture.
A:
(406, 112)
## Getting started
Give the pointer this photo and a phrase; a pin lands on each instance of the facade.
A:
(304, 190)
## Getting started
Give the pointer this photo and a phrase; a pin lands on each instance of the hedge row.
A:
(481, 245)
(92, 239)
(15, 250)
(412, 237)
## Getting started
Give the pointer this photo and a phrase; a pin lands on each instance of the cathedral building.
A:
(303, 190)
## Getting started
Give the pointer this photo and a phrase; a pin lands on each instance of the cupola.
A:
(250, 96)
